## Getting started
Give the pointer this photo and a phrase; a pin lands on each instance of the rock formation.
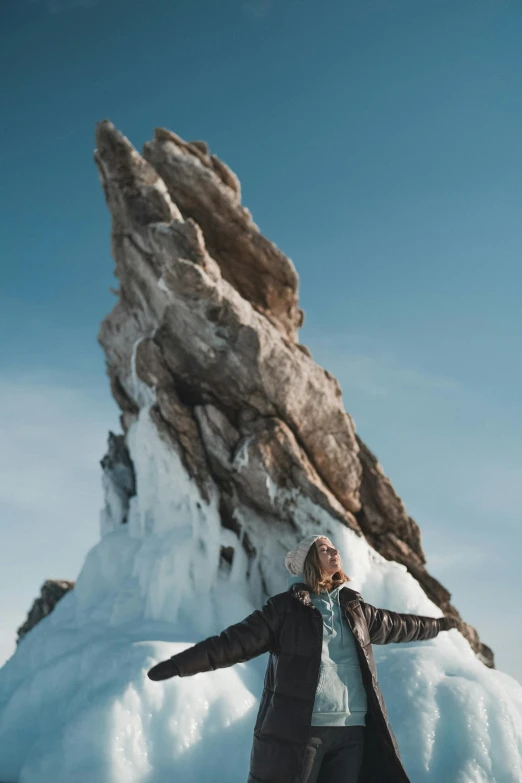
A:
(51, 592)
(204, 333)
(207, 319)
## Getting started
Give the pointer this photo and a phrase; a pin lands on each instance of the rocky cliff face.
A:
(207, 316)
(204, 333)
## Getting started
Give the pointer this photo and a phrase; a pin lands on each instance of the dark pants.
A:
(333, 754)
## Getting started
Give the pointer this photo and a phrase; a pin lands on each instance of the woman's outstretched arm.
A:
(386, 626)
(253, 636)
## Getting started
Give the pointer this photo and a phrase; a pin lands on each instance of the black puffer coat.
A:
(291, 628)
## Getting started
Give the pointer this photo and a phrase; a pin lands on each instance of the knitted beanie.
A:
(294, 560)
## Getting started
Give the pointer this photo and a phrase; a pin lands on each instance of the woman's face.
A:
(328, 555)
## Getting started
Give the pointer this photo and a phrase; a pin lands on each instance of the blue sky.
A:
(379, 145)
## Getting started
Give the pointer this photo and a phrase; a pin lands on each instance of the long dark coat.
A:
(290, 627)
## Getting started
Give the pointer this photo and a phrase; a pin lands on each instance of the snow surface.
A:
(76, 705)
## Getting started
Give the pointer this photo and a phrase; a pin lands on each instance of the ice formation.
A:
(76, 704)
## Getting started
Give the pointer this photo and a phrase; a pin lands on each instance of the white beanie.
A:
(294, 560)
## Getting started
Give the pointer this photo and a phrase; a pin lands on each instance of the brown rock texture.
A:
(206, 190)
(204, 333)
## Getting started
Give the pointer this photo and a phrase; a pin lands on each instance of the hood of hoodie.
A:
(341, 697)
(330, 607)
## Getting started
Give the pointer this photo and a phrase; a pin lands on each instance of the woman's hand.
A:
(163, 670)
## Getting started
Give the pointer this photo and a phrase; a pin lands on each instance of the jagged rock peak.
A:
(189, 333)
(204, 189)
(200, 150)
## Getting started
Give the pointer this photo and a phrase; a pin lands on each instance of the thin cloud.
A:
(54, 436)
(493, 489)
(40, 457)
(449, 558)
(378, 373)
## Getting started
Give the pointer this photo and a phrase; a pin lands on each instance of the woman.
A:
(322, 716)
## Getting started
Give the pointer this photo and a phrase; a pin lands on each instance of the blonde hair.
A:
(314, 575)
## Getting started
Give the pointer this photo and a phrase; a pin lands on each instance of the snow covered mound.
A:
(76, 704)
(235, 445)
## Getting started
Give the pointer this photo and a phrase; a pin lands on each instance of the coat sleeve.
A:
(385, 626)
(256, 634)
